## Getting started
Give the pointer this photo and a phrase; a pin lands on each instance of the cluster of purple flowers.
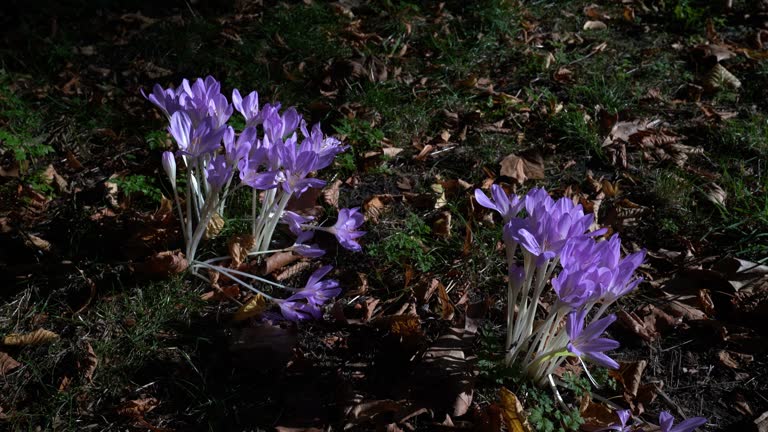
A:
(556, 234)
(666, 423)
(276, 154)
(550, 235)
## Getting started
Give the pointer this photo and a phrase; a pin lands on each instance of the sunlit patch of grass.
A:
(574, 130)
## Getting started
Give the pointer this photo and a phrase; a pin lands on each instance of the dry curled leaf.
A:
(239, 246)
(721, 78)
(595, 25)
(164, 264)
(523, 167)
(446, 307)
(37, 337)
(89, 363)
(277, 261)
(7, 364)
(255, 306)
(215, 225)
(512, 412)
(137, 408)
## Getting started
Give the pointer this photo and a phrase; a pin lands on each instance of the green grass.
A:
(406, 244)
(21, 126)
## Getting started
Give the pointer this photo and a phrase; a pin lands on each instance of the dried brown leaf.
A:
(89, 363)
(441, 226)
(255, 306)
(521, 168)
(37, 337)
(721, 78)
(277, 261)
(164, 264)
(331, 194)
(239, 246)
(137, 408)
(595, 25)
(512, 412)
(7, 364)
(215, 225)
(446, 307)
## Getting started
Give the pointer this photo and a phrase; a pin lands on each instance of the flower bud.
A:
(169, 165)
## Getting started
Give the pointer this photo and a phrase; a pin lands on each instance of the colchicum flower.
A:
(586, 342)
(169, 165)
(276, 154)
(346, 227)
(666, 422)
(508, 206)
(624, 416)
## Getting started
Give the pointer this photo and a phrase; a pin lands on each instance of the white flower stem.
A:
(228, 272)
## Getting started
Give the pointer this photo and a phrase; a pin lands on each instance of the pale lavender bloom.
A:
(574, 288)
(165, 99)
(301, 247)
(326, 148)
(624, 416)
(295, 221)
(247, 106)
(666, 422)
(549, 225)
(346, 227)
(507, 205)
(219, 110)
(318, 292)
(278, 127)
(194, 141)
(296, 167)
(218, 171)
(203, 100)
(169, 165)
(602, 260)
(623, 281)
(237, 150)
(586, 342)
(297, 309)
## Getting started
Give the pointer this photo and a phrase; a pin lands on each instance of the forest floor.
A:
(651, 114)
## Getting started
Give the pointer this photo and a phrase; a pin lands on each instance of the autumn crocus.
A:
(666, 422)
(169, 165)
(585, 342)
(277, 155)
(345, 228)
(624, 416)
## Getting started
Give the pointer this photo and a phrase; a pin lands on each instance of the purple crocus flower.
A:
(507, 205)
(194, 141)
(666, 422)
(203, 101)
(218, 172)
(622, 281)
(318, 292)
(301, 247)
(237, 150)
(295, 221)
(296, 309)
(278, 127)
(624, 416)
(165, 99)
(575, 288)
(169, 165)
(247, 106)
(586, 342)
(326, 148)
(296, 167)
(549, 225)
(346, 227)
